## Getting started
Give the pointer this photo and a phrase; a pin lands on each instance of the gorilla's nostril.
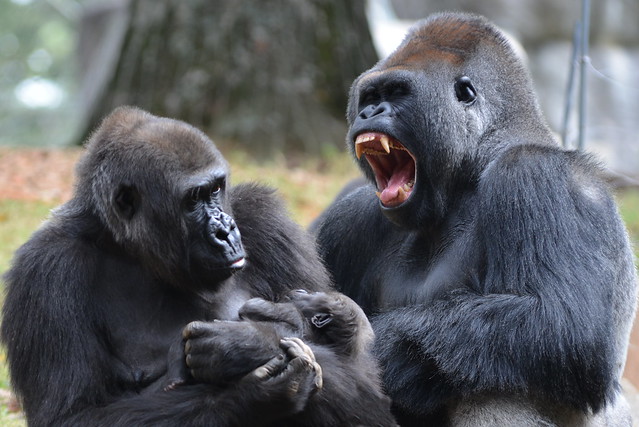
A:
(221, 235)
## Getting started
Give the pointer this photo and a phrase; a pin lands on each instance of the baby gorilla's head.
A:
(325, 318)
(333, 319)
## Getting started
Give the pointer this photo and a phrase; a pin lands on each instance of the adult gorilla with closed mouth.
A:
(112, 309)
(494, 265)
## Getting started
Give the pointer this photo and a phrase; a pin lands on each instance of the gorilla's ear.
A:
(126, 200)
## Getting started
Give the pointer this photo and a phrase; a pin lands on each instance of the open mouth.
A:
(392, 164)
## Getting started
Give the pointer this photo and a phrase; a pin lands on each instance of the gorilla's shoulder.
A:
(536, 165)
(280, 252)
(252, 200)
(352, 202)
(546, 182)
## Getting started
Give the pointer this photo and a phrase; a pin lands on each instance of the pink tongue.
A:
(391, 194)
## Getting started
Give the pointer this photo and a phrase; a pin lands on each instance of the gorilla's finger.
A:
(270, 368)
(295, 347)
(304, 364)
(205, 346)
(302, 353)
(195, 329)
(194, 361)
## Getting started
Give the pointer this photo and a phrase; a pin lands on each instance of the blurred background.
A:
(274, 74)
(268, 80)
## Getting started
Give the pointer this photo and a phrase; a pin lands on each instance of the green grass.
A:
(18, 219)
(629, 206)
(307, 186)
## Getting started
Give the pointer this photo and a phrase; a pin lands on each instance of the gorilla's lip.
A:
(392, 164)
(236, 265)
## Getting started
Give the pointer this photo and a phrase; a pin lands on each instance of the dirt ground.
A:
(35, 174)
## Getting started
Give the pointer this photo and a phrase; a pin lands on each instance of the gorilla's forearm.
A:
(498, 343)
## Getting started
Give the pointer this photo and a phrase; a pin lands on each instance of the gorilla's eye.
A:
(465, 90)
(215, 189)
(204, 194)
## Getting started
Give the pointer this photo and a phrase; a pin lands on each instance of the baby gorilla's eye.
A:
(465, 90)
(320, 320)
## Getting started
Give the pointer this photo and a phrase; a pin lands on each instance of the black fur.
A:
(328, 318)
(335, 327)
(507, 271)
(147, 250)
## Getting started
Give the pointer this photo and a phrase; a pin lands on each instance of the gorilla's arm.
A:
(69, 361)
(73, 377)
(265, 395)
(539, 315)
(534, 315)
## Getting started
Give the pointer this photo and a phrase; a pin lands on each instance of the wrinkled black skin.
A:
(508, 272)
(99, 298)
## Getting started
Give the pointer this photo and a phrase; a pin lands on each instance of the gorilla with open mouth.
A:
(493, 264)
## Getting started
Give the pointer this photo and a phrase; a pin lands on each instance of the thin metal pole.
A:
(585, 29)
(570, 87)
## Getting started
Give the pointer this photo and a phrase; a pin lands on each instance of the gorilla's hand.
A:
(287, 381)
(221, 351)
(261, 310)
(177, 372)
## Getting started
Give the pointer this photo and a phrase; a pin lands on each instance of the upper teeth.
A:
(384, 140)
(364, 138)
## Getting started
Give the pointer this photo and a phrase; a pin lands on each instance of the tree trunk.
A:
(268, 74)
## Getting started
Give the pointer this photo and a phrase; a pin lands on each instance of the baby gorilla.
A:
(325, 318)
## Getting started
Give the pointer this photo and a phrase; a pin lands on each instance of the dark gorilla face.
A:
(216, 249)
(160, 188)
(418, 119)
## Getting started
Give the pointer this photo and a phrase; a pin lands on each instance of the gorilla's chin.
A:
(403, 215)
(230, 266)
(203, 272)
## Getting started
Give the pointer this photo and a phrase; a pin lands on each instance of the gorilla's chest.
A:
(415, 284)
(140, 337)
(421, 275)
(139, 321)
